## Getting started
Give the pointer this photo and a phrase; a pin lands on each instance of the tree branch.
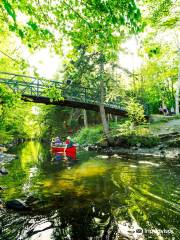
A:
(65, 3)
(45, 16)
(8, 56)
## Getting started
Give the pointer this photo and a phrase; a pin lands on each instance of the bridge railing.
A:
(38, 87)
(87, 95)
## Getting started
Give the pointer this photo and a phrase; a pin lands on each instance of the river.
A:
(93, 197)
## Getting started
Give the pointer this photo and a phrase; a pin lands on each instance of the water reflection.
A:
(92, 198)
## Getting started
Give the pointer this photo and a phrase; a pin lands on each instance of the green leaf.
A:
(12, 28)
(9, 9)
(33, 25)
(21, 34)
(114, 19)
(122, 20)
(46, 33)
(137, 15)
(171, 22)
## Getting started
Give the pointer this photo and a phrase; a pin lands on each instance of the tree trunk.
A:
(108, 118)
(116, 119)
(70, 117)
(178, 86)
(177, 100)
(104, 121)
(101, 105)
(85, 118)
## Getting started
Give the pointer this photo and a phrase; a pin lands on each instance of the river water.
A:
(93, 197)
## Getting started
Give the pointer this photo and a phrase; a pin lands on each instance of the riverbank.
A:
(6, 157)
(135, 152)
(159, 138)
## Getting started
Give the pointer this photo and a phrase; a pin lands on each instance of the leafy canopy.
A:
(98, 23)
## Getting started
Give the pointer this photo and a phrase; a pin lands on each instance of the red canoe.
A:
(70, 152)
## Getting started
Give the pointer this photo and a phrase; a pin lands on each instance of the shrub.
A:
(135, 112)
(5, 137)
(89, 135)
(145, 141)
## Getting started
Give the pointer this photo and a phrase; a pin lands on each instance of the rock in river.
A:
(16, 204)
(3, 171)
(30, 201)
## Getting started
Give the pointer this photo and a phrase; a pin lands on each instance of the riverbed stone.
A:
(138, 145)
(31, 200)
(3, 171)
(6, 157)
(3, 149)
(161, 147)
(16, 204)
(134, 148)
(1, 205)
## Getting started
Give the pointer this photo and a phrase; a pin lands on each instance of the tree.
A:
(178, 81)
(162, 22)
(99, 25)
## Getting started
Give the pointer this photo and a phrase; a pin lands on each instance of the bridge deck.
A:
(74, 104)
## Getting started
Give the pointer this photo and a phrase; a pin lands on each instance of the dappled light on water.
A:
(91, 197)
(74, 178)
(30, 154)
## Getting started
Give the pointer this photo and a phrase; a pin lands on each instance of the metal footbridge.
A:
(40, 90)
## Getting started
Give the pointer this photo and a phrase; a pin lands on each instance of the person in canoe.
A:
(58, 142)
(69, 143)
